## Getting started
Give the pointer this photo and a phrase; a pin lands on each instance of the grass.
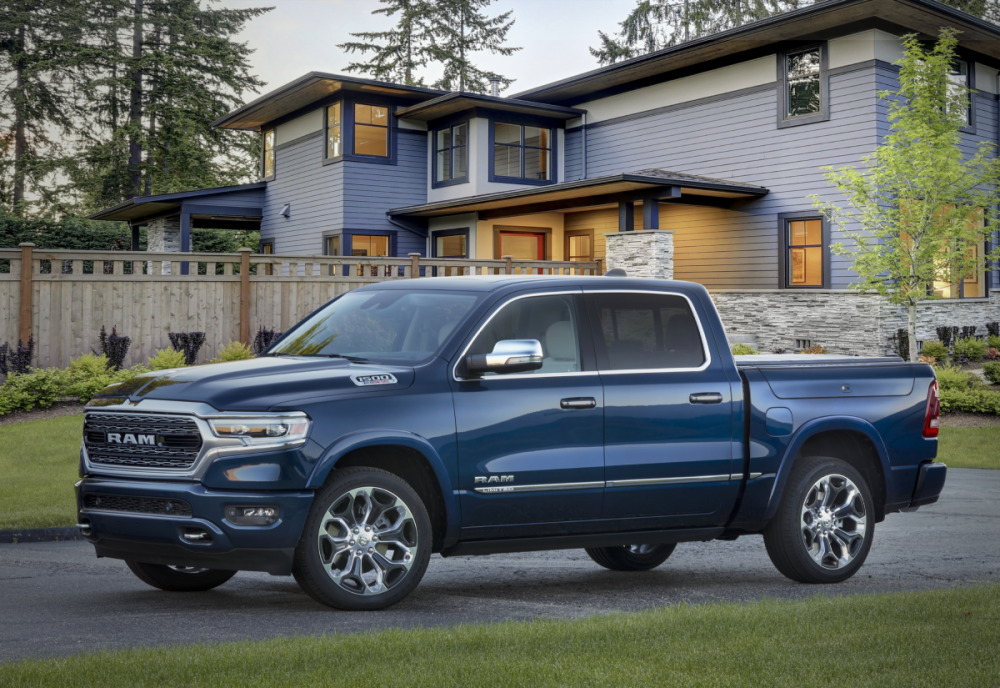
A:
(38, 465)
(970, 447)
(937, 638)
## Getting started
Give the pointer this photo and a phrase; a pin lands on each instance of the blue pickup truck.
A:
(487, 415)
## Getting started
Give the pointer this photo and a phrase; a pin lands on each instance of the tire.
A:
(631, 557)
(824, 527)
(328, 566)
(179, 578)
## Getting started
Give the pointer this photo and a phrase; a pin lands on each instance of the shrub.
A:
(167, 358)
(901, 343)
(937, 350)
(955, 379)
(17, 360)
(115, 347)
(993, 328)
(992, 372)
(970, 348)
(187, 342)
(233, 351)
(992, 355)
(969, 332)
(40, 388)
(926, 359)
(947, 335)
(264, 339)
(741, 349)
(814, 349)
(975, 401)
(994, 341)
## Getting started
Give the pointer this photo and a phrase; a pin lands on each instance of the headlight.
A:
(257, 430)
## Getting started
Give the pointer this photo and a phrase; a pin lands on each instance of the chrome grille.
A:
(177, 440)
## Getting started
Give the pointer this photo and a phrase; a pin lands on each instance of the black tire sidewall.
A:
(165, 578)
(621, 559)
(309, 570)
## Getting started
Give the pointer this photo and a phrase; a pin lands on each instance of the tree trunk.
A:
(20, 139)
(911, 329)
(461, 54)
(135, 105)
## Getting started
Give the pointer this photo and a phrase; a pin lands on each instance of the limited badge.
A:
(380, 379)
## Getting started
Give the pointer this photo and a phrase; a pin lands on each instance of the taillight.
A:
(933, 415)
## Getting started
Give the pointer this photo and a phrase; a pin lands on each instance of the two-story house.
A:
(697, 161)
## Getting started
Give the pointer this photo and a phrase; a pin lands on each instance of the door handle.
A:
(706, 398)
(578, 403)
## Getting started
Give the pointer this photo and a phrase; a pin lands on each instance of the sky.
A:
(300, 36)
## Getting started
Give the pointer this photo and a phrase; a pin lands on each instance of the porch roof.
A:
(597, 191)
(240, 206)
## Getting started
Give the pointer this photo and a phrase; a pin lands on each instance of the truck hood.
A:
(261, 383)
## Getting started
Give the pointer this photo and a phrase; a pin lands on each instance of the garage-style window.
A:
(522, 153)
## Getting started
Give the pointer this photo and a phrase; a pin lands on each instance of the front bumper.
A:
(930, 483)
(160, 538)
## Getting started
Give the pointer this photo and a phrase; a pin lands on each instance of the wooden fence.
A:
(65, 297)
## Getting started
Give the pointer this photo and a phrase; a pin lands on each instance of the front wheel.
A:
(631, 557)
(366, 543)
(823, 530)
(179, 578)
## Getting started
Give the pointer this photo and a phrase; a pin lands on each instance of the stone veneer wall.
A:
(843, 322)
(643, 253)
(164, 234)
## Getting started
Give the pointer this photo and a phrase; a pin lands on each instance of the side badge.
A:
(380, 379)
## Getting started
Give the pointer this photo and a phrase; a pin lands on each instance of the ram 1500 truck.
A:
(485, 415)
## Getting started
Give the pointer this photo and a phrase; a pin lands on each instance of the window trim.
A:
(595, 327)
(824, 87)
(435, 183)
(326, 238)
(263, 154)
(553, 151)
(434, 234)
(347, 241)
(783, 246)
(347, 131)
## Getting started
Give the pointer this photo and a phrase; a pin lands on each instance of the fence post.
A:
(24, 320)
(245, 296)
(600, 263)
(510, 264)
(414, 264)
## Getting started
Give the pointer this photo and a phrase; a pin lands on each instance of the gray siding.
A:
(737, 139)
(238, 199)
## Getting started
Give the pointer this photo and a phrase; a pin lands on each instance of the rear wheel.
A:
(179, 578)
(823, 530)
(631, 557)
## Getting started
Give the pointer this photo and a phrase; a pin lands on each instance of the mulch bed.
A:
(58, 410)
(969, 420)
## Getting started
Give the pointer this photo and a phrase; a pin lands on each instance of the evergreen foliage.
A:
(398, 52)
(164, 359)
(919, 199)
(461, 28)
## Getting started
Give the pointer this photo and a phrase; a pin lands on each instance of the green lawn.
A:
(938, 638)
(38, 465)
(38, 462)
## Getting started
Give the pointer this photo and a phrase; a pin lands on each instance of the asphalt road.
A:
(56, 598)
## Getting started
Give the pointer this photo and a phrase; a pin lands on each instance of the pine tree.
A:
(460, 28)
(398, 52)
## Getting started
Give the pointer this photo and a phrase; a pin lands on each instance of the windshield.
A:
(392, 326)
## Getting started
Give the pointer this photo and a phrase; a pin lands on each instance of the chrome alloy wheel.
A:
(642, 549)
(834, 521)
(367, 541)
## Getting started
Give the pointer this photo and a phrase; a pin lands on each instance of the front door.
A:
(522, 246)
(667, 409)
(530, 445)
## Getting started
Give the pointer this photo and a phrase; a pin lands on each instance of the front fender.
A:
(811, 429)
(399, 438)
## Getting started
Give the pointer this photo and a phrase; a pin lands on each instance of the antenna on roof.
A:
(495, 85)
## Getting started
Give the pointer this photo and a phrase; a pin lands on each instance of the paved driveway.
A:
(56, 598)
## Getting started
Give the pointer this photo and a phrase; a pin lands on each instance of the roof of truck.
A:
(497, 282)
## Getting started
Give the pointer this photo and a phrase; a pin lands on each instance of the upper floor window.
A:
(959, 77)
(804, 253)
(804, 89)
(268, 166)
(522, 152)
(334, 131)
(451, 153)
(371, 130)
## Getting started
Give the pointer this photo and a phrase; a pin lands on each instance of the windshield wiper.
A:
(352, 359)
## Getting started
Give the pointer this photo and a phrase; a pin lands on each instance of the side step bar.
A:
(645, 537)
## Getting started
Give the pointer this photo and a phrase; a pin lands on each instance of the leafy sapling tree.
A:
(919, 210)
(396, 54)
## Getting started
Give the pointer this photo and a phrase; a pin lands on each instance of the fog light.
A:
(252, 515)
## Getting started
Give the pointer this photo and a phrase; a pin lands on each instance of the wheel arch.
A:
(407, 455)
(853, 440)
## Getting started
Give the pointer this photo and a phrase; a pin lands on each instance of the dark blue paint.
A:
(643, 426)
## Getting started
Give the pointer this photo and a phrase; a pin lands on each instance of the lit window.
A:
(451, 146)
(333, 246)
(371, 130)
(269, 153)
(580, 246)
(805, 253)
(802, 81)
(451, 246)
(522, 152)
(334, 132)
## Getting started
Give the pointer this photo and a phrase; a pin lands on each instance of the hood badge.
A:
(380, 379)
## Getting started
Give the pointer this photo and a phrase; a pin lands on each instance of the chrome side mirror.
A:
(509, 356)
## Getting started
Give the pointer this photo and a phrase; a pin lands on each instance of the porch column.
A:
(651, 213)
(642, 253)
(185, 240)
(626, 216)
(164, 235)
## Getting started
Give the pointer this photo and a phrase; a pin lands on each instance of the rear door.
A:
(667, 409)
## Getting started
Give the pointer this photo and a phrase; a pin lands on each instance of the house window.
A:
(451, 153)
(268, 153)
(803, 83)
(267, 248)
(371, 130)
(333, 245)
(334, 131)
(959, 77)
(579, 246)
(804, 258)
(363, 245)
(522, 152)
(452, 243)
